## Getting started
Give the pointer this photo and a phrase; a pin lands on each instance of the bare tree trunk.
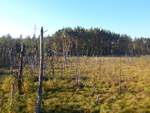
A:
(77, 66)
(20, 80)
(100, 69)
(53, 66)
(39, 97)
(120, 76)
(63, 64)
(62, 68)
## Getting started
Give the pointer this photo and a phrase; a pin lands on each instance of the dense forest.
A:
(73, 42)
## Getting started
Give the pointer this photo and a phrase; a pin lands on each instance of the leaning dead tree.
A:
(39, 96)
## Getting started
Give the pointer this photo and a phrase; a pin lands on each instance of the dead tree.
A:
(12, 96)
(77, 66)
(53, 66)
(39, 96)
(10, 60)
(62, 67)
(120, 76)
(20, 79)
(65, 48)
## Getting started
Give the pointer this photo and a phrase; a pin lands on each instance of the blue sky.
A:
(130, 17)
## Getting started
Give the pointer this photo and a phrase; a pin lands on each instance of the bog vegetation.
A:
(85, 71)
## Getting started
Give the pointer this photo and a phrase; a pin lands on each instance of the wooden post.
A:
(39, 97)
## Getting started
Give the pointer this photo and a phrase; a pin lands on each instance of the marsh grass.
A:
(110, 85)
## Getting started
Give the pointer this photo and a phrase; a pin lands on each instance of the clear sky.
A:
(130, 17)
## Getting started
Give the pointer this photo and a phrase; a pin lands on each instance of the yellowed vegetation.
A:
(109, 85)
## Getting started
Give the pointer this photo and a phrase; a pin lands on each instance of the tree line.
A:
(73, 42)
